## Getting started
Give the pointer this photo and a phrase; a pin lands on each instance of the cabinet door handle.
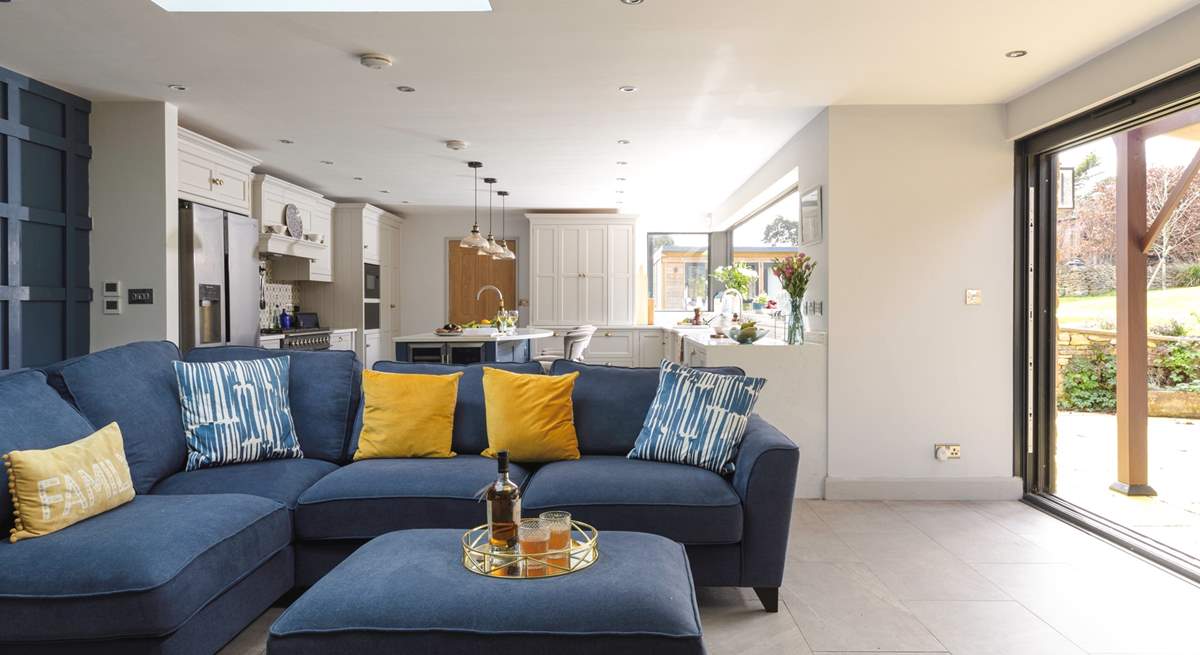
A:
(365, 247)
(608, 334)
(216, 181)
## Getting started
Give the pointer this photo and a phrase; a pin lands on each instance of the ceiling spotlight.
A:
(623, 142)
(405, 89)
(632, 3)
(286, 142)
(375, 61)
(327, 162)
(1013, 54)
(384, 191)
(456, 144)
(620, 179)
(177, 87)
(403, 202)
(622, 163)
(628, 88)
(358, 179)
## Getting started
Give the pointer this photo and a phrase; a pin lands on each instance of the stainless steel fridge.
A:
(218, 277)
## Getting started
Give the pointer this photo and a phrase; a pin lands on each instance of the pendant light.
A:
(474, 239)
(490, 247)
(505, 252)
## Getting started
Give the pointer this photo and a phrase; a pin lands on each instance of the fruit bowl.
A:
(747, 337)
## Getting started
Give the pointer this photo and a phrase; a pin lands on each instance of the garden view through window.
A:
(678, 271)
(1091, 196)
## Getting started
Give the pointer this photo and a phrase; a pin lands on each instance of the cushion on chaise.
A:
(142, 569)
(373, 496)
(687, 504)
(281, 480)
(32, 416)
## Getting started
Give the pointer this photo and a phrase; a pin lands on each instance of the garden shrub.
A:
(1175, 364)
(1188, 277)
(1170, 328)
(1090, 382)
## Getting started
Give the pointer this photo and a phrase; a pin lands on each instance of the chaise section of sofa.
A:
(160, 574)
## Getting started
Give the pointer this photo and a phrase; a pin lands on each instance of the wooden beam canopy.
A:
(1173, 200)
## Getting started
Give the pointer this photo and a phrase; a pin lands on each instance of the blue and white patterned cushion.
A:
(236, 411)
(697, 418)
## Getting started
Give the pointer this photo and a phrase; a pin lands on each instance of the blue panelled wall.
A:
(44, 224)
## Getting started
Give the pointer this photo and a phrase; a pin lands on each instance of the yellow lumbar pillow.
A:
(56, 487)
(407, 415)
(530, 416)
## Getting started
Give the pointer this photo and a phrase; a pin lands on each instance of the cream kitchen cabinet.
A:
(652, 346)
(582, 269)
(342, 339)
(362, 234)
(300, 261)
(214, 174)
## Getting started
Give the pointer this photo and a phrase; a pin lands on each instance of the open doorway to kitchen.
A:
(1114, 358)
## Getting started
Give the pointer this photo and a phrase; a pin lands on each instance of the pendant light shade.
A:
(490, 247)
(474, 239)
(505, 253)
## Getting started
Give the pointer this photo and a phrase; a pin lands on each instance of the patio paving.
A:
(1086, 463)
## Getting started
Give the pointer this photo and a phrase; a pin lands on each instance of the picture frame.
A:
(811, 223)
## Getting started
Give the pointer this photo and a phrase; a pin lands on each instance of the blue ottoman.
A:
(407, 592)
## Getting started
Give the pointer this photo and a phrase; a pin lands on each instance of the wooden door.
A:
(468, 272)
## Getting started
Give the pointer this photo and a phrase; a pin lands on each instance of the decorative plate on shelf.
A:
(291, 218)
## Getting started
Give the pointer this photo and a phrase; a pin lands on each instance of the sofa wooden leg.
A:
(769, 596)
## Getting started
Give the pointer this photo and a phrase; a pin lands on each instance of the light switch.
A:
(974, 297)
(112, 305)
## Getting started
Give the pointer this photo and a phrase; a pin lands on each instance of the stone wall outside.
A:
(1080, 342)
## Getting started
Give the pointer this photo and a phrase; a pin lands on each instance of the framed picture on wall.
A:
(811, 229)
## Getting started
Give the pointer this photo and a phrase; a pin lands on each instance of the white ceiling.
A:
(532, 85)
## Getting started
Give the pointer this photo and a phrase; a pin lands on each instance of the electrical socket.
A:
(952, 451)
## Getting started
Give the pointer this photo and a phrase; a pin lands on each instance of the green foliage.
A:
(1175, 364)
(1188, 277)
(782, 231)
(1169, 328)
(1090, 383)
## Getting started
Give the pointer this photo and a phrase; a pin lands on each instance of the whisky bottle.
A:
(503, 507)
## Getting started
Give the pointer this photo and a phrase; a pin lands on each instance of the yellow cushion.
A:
(407, 415)
(530, 416)
(56, 487)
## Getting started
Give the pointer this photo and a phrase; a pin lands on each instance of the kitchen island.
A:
(433, 348)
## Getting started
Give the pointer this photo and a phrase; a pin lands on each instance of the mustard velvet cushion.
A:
(530, 416)
(57, 487)
(407, 415)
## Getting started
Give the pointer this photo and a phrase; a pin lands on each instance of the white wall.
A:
(424, 295)
(135, 235)
(921, 210)
(1152, 55)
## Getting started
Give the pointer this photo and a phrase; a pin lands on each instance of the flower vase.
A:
(795, 328)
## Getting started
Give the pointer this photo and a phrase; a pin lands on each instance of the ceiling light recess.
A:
(405, 89)
(1014, 54)
(177, 87)
(627, 88)
(375, 61)
(286, 142)
(457, 144)
(632, 3)
(324, 5)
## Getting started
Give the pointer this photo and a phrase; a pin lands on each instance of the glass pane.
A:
(678, 271)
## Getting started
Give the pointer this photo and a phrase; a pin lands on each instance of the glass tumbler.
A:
(559, 524)
(534, 536)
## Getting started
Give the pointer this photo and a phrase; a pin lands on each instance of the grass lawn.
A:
(1181, 304)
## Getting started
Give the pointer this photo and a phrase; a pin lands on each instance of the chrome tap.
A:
(479, 294)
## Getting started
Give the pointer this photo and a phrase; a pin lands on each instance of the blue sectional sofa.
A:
(198, 555)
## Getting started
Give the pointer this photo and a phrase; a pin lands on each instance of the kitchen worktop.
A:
(522, 334)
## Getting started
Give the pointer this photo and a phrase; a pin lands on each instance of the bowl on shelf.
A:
(315, 237)
(273, 229)
(746, 337)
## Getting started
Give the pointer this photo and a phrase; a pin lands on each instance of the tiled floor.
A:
(961, 578)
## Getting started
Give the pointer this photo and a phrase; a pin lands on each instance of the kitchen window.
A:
(678, 270)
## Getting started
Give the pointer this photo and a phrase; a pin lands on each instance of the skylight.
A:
(324, 5)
